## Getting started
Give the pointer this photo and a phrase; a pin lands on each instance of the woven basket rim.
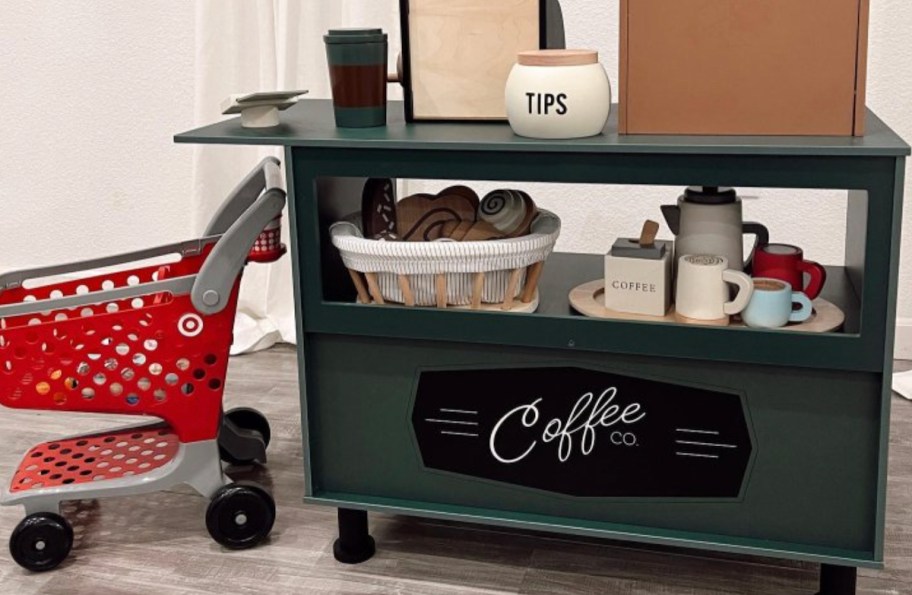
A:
(346, 236)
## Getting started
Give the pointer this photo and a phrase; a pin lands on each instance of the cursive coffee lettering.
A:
(531, 408)
(588, 414)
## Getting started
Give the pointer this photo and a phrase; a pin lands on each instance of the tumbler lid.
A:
(355, 35)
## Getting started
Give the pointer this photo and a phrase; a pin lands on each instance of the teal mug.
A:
(771, 305)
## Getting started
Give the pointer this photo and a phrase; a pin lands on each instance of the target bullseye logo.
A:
(190, 325)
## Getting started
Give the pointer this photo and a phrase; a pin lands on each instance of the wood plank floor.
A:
(158, 543)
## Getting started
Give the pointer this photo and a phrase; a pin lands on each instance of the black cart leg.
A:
(837, 580)
(355, 545)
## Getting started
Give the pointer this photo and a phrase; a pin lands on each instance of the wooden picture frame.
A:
(449, 71)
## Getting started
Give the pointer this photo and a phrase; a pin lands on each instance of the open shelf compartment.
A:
(555, 324)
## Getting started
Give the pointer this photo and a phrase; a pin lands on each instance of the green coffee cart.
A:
(737, 440)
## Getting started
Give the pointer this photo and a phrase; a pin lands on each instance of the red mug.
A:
(786, 263)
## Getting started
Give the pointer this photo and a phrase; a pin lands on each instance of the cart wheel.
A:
(250, 419)
(247, 419)
(240, 515)
(41, 541)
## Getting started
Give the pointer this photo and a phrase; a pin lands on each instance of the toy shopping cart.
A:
(148, 339)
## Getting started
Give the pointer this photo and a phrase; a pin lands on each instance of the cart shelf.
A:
(96, 457)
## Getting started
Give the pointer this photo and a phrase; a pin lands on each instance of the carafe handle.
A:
(762, 238)
(672, 215)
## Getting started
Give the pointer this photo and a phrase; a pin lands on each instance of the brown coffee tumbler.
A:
(357, 71)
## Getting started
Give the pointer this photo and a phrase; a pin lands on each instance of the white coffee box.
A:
(638, 278)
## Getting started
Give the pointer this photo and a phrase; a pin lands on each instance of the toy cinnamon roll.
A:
(510, 211)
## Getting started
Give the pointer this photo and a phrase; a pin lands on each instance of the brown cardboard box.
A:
(764, 67)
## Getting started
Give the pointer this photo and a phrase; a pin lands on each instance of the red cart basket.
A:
(149, 338)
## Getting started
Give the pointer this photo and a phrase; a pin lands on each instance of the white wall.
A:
(92, 93)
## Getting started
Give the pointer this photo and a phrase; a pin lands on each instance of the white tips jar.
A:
(558, 94)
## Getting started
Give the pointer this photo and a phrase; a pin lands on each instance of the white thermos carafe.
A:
(707, 220)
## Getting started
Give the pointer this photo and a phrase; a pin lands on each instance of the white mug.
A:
(702, 292)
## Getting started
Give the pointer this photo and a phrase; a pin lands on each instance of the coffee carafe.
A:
(707, 220)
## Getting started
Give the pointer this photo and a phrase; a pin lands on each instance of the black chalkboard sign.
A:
(583, 432)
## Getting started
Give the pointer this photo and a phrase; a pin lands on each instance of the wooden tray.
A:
(589, 299)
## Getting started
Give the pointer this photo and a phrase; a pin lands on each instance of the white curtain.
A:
(263, 45)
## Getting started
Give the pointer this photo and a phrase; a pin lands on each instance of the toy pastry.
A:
(510, 211)
(471, 231)
(422, 216)
(378, 209)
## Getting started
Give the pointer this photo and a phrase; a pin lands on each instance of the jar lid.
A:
(558, 57)
(354, 35)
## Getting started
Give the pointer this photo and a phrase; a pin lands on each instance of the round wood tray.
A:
(589, 299)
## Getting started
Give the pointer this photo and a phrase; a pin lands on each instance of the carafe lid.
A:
(710, 195)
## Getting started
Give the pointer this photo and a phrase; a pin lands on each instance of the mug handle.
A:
(818, 277)
(762, 239)
(745, 291)
(798, 297)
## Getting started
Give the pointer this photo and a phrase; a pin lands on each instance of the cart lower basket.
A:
(150, 338)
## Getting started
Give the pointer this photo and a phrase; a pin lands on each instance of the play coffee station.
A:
(700, 383)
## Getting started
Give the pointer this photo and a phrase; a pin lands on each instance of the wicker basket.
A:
(446, 273)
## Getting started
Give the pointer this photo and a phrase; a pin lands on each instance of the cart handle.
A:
(216, 278)
(176, 286)
(14, 279)
(233, 230)
(266, 175)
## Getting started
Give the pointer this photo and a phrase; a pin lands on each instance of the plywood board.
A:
(461, 53)
(734, 67)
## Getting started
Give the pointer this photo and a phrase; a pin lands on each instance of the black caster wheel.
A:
(41, 541)
(240, 515)
(250, 419)
(245, 420)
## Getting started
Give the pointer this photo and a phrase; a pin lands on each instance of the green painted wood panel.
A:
(871, 207)
(311, 124)
(812, 483)
(555, 325)
(819, 404)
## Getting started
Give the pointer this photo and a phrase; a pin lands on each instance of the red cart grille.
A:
(148, 355)
(98, 457)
